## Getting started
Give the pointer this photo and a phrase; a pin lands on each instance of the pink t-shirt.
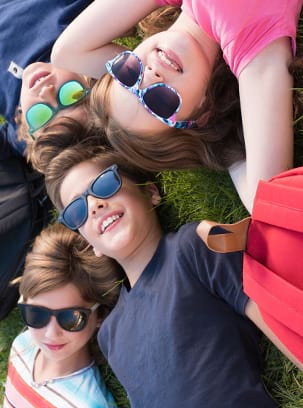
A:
(243, 28)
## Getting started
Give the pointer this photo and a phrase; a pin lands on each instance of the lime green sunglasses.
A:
(70, 93)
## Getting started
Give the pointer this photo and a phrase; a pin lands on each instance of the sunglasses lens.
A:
(72, 320)
(162, 101)
(106, 185)
(75, 213)
(70, 93)
(34, 316)
(38, 115)
(127, 69)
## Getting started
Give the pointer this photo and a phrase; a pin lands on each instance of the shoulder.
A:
(188, 243)
(92, 390)
(23, 339)
(220, 273)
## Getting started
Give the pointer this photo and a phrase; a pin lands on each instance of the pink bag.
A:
(272, 240)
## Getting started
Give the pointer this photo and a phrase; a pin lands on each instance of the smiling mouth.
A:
(109, 221)
(54, 347)
(36, 79)
(168, 60)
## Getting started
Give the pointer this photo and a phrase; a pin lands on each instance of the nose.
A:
(95, 205)
(151, 75)
(48, 93)
(52, 329)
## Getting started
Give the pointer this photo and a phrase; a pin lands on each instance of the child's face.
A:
(119, 226)
(57, 344)
(172, 58)
(40, 84)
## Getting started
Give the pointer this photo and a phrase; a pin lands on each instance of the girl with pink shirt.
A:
(175, 102)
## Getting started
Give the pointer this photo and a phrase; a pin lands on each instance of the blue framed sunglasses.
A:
(160, 99)
(70, 93)
(105, 185)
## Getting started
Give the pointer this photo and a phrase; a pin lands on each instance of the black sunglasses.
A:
(105, 185)
(72, 319)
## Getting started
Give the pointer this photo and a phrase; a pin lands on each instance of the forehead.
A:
(77, 180)
(64, 296)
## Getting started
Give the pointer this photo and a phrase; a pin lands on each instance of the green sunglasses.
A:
(70, 93)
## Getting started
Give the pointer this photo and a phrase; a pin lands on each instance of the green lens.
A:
(70, 93)
(38, 115)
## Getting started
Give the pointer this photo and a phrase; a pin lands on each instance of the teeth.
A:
(167, 61)
(108, 221)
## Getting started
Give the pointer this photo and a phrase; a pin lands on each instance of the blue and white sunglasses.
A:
(160, 99)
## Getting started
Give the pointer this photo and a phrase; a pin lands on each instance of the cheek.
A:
(84, 336)
(37, 334)
(25, 101)
(86, 232)
(192, 99)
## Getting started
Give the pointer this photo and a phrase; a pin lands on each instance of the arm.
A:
(86, 44)
(266, 105)
(253, 313)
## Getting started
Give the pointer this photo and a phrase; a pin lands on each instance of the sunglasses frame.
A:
(113, 169)
(56, 312)
(139, 93)
(60, 106)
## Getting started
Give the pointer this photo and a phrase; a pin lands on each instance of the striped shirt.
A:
(82, 389)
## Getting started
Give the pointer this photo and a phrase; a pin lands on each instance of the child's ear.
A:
(153, 191)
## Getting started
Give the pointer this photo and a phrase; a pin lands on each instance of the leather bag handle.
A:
(234, 239)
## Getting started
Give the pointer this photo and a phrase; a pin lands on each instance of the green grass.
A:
(192, 196)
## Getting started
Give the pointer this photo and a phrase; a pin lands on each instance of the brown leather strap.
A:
(233, 240)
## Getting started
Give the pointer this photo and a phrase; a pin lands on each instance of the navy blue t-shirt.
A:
(28, 30)
(179, 337)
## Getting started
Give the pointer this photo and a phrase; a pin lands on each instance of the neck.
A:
(135, 263)
(46, 369)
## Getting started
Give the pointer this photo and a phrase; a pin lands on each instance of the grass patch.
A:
(193, 196)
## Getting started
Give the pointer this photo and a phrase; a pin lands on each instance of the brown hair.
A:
(73, 144)
(159, 20)
(60, 256)
(58, 135)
